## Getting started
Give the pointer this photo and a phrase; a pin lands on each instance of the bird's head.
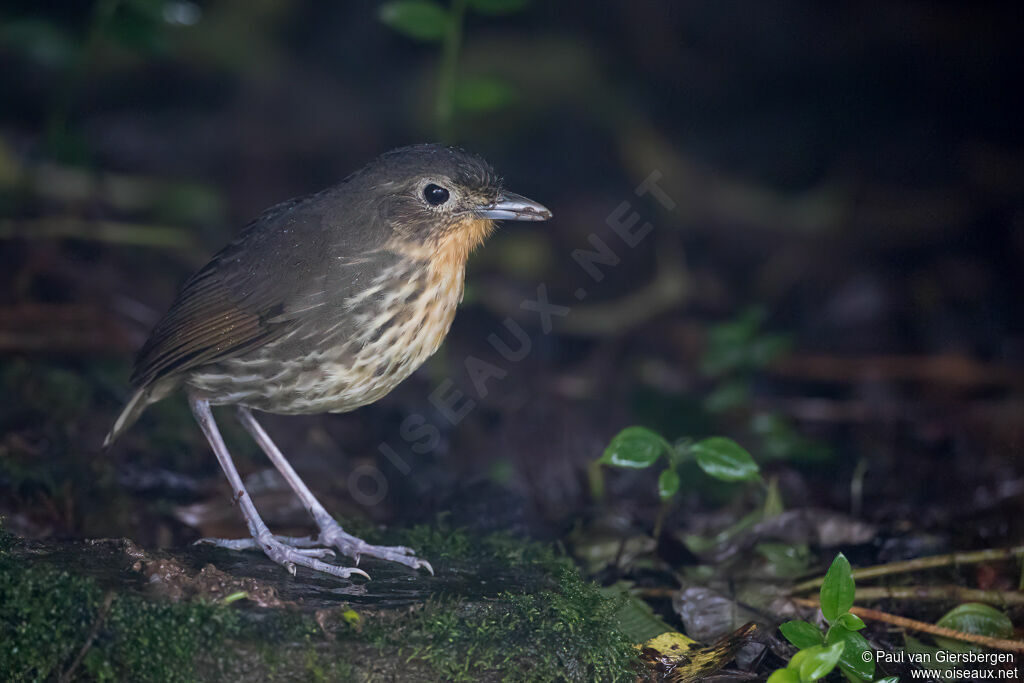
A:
(441, 199)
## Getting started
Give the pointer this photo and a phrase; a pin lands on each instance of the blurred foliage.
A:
(737, 351)
(429, 22)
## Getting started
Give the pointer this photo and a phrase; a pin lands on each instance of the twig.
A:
(941, 593)
(924, 627)
(973, 557)
(97, 624)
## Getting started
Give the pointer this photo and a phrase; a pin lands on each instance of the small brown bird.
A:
(324, 304)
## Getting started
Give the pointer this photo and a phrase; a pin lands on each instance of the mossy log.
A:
(498, 609)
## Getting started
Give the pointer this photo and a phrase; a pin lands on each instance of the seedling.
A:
(840, 645)
(640, 448)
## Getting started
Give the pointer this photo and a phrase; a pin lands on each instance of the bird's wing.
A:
(254, 289)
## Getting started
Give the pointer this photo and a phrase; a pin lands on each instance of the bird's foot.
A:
(289, 552)
(331, 534)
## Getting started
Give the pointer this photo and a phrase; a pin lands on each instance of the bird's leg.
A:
(279, 552)
(331, 533)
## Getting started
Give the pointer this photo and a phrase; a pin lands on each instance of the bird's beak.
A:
(513, 207)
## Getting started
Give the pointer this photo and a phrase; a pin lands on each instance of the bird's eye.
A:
(435, 194)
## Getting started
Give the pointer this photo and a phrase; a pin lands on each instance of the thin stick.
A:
(924, 627)
(97, 624)
(974, 557)
(940, 593)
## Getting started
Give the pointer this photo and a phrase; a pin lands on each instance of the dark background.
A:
(849, 184)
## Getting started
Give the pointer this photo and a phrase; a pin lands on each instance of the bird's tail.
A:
(131, 412)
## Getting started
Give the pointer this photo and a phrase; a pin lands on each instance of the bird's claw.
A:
(331, 534)
(283, 550)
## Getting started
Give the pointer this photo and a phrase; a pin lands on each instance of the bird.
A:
(324, 303)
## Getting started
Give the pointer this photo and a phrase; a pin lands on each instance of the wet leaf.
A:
(784, 676)
(852, 660)
(725, 460)
(687, 660)
(418, 19)
(851, 621)
(708, 615)
(974, 617)
(802, 634)
(838, 589)
(634, 447)
(816, 662)
(668, 483)
(483, 93)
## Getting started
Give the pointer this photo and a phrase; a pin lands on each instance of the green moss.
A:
(435, 541)
(46, 616)
(552, 626)
(568, 633)
(565, 629)
(322, 668)
(6, 538)
(42, 617)
(439, 542)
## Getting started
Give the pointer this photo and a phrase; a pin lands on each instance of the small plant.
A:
(640, 448)
(429, 22)
(841, 645)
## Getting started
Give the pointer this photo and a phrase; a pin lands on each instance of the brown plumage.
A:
(326, 303)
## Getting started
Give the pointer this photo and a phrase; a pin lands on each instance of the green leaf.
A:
(668, 483)
(498, 6)
(784, 676)
(634, 447)
(853, 660)
(851, 621)
(818, 662)
(974, 617)
(483, 93)
(838, 589)
(725, 460)
(802, 634)
(888, 679)
(418, 19)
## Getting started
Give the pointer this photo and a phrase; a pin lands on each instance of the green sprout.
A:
(640, 448)
(840, 645)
